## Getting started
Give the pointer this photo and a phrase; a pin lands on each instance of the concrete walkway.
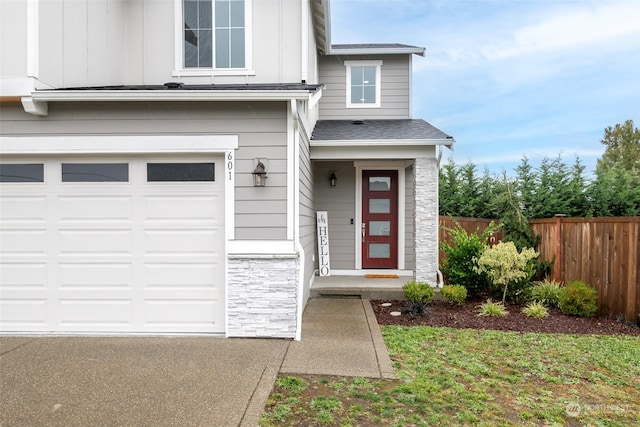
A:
(185, 381)
(340, 336)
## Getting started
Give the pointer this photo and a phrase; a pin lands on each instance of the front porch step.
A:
(363, 293)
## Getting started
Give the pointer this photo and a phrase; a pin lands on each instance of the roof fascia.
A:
(379, 51)
(360, 143)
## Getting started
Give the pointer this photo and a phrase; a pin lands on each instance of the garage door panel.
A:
(110, 276)
(171, 208)
(23, 314)
(182, 292)
(111, 209)
(23, 276)
(191, 275)
(197, 242)
(80, 314)
(23, 209)
(96, 242)
(23, 242)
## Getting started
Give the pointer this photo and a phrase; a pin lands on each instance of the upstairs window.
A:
(214, 34)
(363, 84)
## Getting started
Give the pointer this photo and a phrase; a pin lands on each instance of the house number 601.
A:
(230, 165)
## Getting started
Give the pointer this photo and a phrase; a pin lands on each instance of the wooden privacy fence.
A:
(603, 252)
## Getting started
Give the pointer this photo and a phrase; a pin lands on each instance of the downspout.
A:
(439, 275)
(296, 216)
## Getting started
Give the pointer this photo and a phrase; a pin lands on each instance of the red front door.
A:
(379, 219)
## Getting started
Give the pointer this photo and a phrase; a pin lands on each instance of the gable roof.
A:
(321, 14)
(379, 130)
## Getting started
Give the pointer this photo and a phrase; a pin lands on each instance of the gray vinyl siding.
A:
(307, 213)
(261, 130)
(340, 204)
(409, 220)
(394, 96)
(121, 42)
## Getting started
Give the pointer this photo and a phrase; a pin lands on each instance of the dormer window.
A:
(214, 35)
(363, 84)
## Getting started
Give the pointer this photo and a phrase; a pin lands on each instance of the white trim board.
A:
(117, 144)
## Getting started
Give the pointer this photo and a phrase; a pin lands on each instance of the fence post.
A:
(558, 264)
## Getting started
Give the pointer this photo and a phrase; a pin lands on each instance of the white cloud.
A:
(572, 28)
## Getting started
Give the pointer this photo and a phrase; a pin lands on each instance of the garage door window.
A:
(95, 172)
(21, 173)
(180, 172)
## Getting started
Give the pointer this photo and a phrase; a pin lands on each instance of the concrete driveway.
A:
(137, 381)
(181, 381)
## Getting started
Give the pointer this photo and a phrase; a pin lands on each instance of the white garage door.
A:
(103, 245)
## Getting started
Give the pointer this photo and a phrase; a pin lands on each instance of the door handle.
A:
(364, 232)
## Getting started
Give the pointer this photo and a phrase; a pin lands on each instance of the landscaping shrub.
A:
(547, 292)
(535, 309)
(458, 266)
(579, 299)
(454, 294)
(418, 295)
(418, 291)
(505, 265)
(492, 309)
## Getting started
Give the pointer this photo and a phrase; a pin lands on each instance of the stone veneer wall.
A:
(426, 219)
(262, 296)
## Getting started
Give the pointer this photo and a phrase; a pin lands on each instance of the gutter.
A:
(37, 102)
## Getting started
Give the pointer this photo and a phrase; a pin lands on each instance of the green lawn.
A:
(454, 377)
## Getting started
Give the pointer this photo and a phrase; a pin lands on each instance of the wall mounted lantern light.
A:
(333, 179)
(259, 175)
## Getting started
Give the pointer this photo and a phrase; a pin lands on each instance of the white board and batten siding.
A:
(116, 42)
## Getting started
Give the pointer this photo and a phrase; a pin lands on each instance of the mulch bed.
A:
(466, 317)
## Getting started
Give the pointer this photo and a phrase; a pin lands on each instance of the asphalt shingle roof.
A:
(343, 130)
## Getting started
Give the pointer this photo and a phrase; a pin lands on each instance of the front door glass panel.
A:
(380, 228)
(379, 250)
(381, 206)
(379, 183)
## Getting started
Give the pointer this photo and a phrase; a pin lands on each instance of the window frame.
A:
(370, 63)
(179, 66)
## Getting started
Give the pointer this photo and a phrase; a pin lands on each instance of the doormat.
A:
(381, 276)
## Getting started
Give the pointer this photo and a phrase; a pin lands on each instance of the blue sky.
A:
(512, 78)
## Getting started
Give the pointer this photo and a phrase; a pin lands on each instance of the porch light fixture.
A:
(333, 179)
(259, 175)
